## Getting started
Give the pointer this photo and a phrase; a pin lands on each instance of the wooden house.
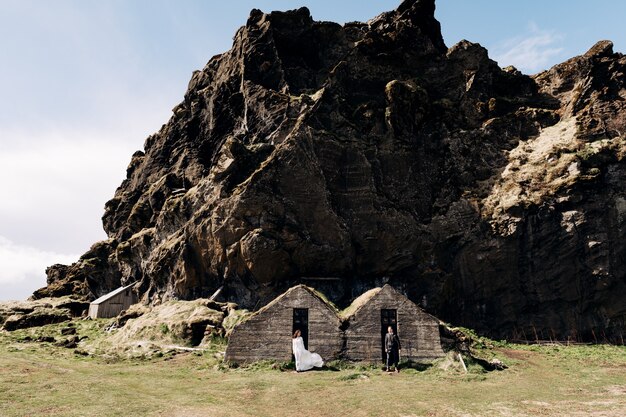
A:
(113, 303)
(268, 332)
(368, 317)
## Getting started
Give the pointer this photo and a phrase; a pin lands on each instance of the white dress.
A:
(305, 360)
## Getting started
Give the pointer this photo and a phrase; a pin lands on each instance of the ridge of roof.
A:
(112, 293)
(359, 302)
(315, 293)
(354, 307)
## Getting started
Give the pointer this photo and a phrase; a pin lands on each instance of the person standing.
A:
(305, 360)
(392, 348)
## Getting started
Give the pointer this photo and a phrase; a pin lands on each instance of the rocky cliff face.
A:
(371, 152)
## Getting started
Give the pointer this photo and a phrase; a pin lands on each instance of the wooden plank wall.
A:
(113, 306)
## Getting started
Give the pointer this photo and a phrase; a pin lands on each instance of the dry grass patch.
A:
(44, 380)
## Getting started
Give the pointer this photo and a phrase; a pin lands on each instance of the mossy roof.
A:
(359, 302)
(315, 293)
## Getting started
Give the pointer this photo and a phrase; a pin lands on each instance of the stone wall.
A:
(417, 330)
(267, 334)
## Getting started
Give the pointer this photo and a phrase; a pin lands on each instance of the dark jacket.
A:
(392, 342)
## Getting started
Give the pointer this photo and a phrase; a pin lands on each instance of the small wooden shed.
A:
(113, 303)
(369, 316)
(267, 333)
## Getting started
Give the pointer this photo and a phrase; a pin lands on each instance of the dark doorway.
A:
(301, 322)
(388, 318)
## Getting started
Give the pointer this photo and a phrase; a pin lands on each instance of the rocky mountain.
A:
(347, 156)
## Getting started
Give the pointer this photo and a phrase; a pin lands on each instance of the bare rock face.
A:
(372, 153)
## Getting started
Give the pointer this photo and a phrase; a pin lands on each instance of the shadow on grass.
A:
(416, 366)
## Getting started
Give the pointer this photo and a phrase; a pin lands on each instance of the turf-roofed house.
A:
(267, 333)
(356, 334)
(369, 316)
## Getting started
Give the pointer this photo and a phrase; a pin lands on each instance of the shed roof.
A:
(111, 294)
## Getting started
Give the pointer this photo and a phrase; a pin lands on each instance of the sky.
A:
(84, 82)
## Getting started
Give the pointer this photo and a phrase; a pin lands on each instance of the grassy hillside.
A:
(42, 379)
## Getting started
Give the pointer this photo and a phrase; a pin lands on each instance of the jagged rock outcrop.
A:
(22, 314)
(371, 152)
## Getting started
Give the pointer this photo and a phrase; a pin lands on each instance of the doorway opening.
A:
(301, 322)
(388, 317)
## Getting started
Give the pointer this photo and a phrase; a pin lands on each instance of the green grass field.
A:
(41, 379)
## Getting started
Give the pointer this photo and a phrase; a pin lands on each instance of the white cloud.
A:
(22, 268)
(81, 87)
(67, 132)
(532, 52)
(54, 187)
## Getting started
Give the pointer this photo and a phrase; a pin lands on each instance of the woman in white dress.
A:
(305, 360)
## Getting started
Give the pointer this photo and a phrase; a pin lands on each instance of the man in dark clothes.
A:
(392, 348)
